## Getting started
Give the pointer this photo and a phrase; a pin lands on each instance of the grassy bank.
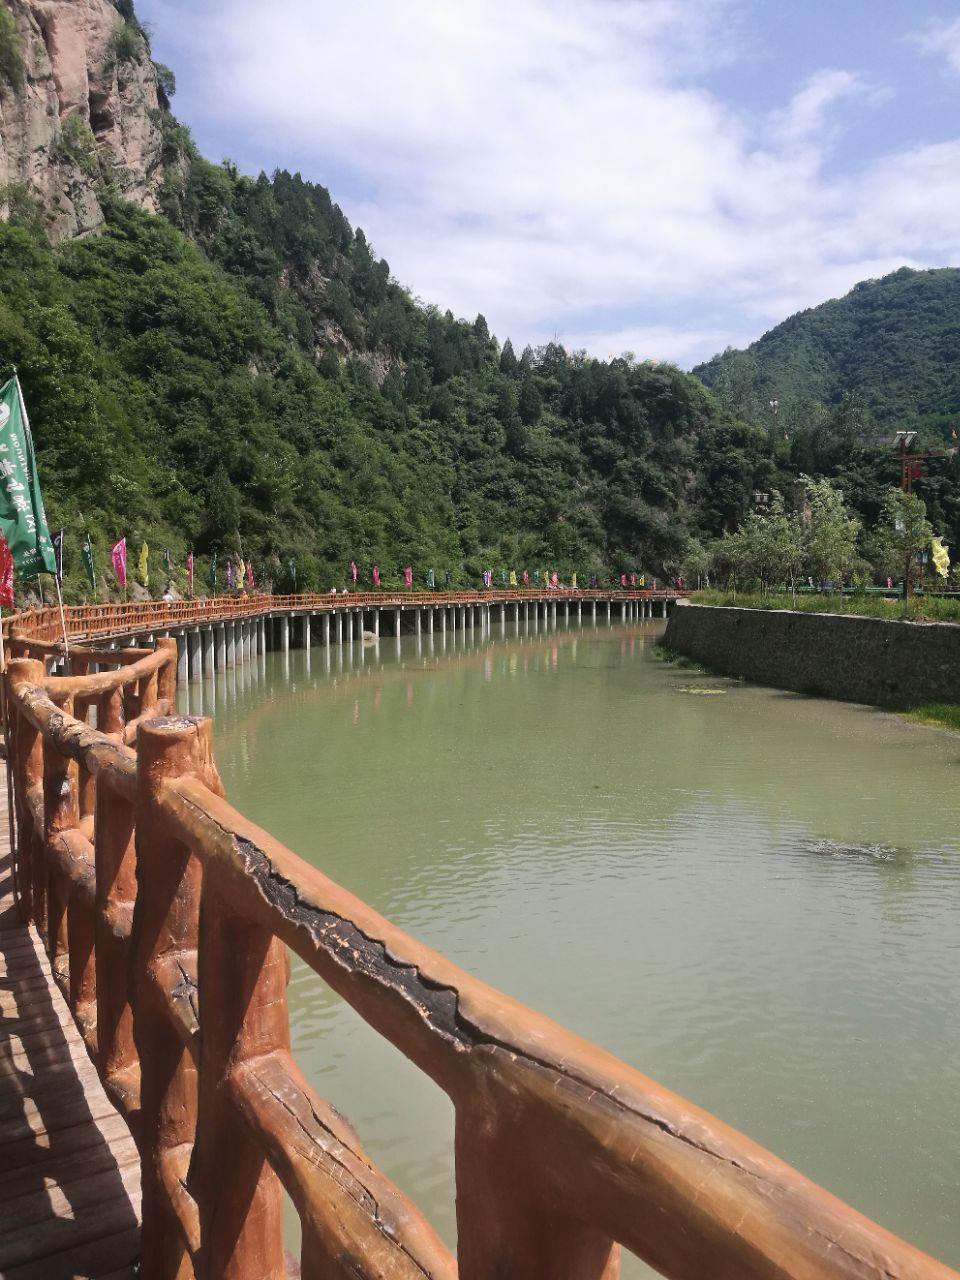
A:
(677, 659)
(946, 714)
(919, 609)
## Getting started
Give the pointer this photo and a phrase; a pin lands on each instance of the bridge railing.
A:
(30, 630)
(166, 915)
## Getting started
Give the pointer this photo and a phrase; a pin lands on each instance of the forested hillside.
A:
(891, 344)
(240, 371)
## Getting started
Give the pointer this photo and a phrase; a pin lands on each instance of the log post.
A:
(508, 1223)
(242, 972)
(167, 675)
(61, 812)
(28, 764)
(116, 891)
(80, 666)
(165, 926)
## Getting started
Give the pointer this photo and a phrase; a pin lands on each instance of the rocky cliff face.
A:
(79, 106)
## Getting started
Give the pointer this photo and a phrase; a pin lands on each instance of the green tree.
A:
(830, 549)
(903, 531)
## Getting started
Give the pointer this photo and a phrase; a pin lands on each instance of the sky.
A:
(665, 177)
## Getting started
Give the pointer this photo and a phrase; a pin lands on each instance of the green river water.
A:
(751, 896)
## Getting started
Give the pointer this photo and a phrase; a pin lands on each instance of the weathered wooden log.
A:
(356, 1224)
(116, 889)
(28, 769)
(165, 921)
(242, 974)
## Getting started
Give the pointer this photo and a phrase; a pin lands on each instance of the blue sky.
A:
(667, 177)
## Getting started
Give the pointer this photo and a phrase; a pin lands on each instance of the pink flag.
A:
(6, 574)
(526, 577)
(633, 579)
(408, 576)
(554, 579)
(376, 576)
(623, 580)
(353, 569)
(119, 557)
(190, 571)
(250, 574)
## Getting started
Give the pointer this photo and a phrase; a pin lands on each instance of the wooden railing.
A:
(89, 621)
(166, 915)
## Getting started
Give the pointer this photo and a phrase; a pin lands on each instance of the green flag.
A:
(213, 572)
(88, 561)
(22, 518)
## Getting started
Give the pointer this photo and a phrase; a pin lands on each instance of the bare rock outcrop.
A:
(83, 109)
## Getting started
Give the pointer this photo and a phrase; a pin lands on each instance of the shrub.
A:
(11, 63)
(166, 82)
(78, 144)
(125, 42)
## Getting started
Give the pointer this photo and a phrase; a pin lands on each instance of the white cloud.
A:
(942, 38)
(806, 120)
(555, 163)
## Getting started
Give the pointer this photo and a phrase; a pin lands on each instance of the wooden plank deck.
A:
(69, 1169)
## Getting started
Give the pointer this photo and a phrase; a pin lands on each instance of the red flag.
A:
(408, 576)
(119, 557)
(6, 574)
(353, 569)
(190, 571)
(376, 576)
(250, 574)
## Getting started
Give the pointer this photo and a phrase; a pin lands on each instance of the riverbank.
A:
(945, 715)
(917, 609)
(879, 661)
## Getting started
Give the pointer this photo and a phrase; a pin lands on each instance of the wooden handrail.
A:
(562, 1151)
(38, 632)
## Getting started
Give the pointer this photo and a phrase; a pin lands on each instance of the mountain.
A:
(892, 344)
(221, 363)
(213, 362)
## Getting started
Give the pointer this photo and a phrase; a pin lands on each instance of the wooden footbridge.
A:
(146, 1048)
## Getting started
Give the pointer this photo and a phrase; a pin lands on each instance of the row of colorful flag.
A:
(507, 577)
(239, 572)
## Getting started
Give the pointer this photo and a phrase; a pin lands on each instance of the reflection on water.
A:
(754, 897)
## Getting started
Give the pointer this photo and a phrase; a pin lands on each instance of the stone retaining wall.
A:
(889, 663)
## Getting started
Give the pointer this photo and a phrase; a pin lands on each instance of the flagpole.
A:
(58, 561)
(63, 620)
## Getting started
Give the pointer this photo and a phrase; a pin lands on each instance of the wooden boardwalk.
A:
(69, 1169)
